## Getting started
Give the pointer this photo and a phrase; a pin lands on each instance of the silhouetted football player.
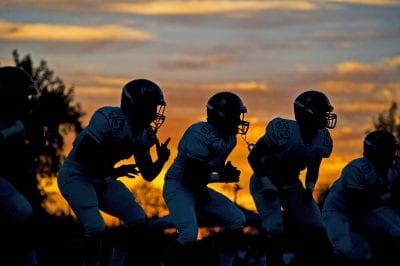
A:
(287, 148)
(202, 154)
(87, 179)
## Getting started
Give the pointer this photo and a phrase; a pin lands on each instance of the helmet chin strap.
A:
(250, 146)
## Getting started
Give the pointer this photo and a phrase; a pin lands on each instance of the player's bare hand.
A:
(163, 152)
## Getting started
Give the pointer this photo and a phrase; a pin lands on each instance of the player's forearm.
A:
(12, 133)
(151, 172)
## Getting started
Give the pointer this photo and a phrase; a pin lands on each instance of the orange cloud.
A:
(239, 86)
(188, 61)
(347, 87)
(70, 33)
(206, 7)
(370, 2)
(356, 67)
(367, 107)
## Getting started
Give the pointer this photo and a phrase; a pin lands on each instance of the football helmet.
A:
(16, 82)
(17, 87)
(382, 148)
(143, 101)
(226, 111)
(314, 109)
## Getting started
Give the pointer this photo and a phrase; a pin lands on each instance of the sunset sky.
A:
(265, 51)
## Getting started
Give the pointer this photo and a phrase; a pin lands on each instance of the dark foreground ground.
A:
(58, 243)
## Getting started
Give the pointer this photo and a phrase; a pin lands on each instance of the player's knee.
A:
(94, 230)
(24, 214)
(272, 228)
(238, 220)
(188, 237)
(136, 220)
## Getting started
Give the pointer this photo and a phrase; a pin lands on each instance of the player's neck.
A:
(307, 133)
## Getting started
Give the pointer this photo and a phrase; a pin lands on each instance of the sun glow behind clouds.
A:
(70, 33)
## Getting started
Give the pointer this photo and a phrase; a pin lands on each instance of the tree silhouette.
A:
(389, 120)
(53, 113)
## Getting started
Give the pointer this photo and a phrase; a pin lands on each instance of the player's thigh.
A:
(224, 210)
(385, 220)
(13, 203)
(116, 199)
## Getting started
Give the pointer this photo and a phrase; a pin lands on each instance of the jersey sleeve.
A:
(99, 126)
(197, 143)
(327, 143)
(277, 132)
(353, 177)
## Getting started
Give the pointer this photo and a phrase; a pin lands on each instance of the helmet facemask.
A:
(159, 118)
(331, 119)
(244, 125)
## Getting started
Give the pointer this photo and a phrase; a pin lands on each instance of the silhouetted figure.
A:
(201, 159)
(87, 179)
(16, 87)
(287, 148)
(365, 199)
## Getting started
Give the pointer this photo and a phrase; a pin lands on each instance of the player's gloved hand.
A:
(163, 151)
(270, 194)
(128, 170)
(307, 196)
(229, 173)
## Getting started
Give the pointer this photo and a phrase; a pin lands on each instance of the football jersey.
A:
(14, 155)
(358, 174)
(110, 128)
(203, 142)
(287, 153)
